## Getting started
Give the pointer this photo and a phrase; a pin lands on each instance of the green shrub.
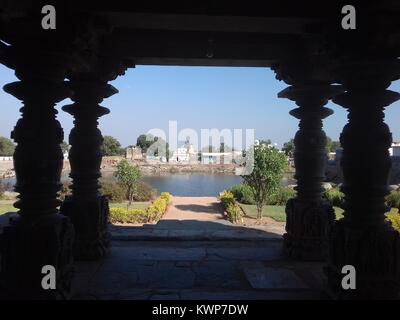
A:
(393, 199)
(232, 209)
(281, 197)
(335, 196)
(394, 219)
(118, 193)
(144, 192)
(114, 191)
(234, 212)
(118, 215)
(2, 190)
(152, 213)
(121, 215)
(166, 196)
(226, 198)
(242, 193)
(65, 190)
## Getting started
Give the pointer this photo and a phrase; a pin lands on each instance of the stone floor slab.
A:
(261, 277)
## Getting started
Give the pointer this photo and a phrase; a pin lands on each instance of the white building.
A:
(219, 157)
(394, 151)
(184, 154)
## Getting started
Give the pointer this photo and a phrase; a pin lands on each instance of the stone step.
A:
(156, 234)
(206, 295)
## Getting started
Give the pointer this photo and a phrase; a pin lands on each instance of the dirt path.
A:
(194, 208)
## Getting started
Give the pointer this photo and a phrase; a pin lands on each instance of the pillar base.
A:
(90, 220)
(307, 226)
(27, 246)
(375, 254)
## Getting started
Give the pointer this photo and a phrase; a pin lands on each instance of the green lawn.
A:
(276, 212)
(134, 205)
(7, 206)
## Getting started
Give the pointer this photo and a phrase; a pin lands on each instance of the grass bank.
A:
(276, 212)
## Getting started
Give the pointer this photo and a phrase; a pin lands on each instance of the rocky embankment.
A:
(159, 169)
(155, 168)
(6, 169)
(109, 164)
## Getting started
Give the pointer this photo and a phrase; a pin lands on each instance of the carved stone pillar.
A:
(308, 215)
(40, 236)
(363, 238)
(87, 209)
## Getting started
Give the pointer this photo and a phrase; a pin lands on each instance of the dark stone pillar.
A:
(308, 215)
(363, 238)
(87, 209)
(40, 236)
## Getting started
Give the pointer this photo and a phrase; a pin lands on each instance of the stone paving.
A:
(195, 253)
(196, 218)
(197, 270)
(189, 256)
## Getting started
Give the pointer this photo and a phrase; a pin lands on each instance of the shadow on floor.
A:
(194, 230)
(215, 208)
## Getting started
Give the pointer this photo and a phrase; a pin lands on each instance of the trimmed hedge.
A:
(394, 219)
(152, 213)
(393, 199)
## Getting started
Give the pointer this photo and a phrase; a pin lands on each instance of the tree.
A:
(155, 145)
(129, 177)
(265, 142)
(144, 141)
(265, 178)
(224, 148)
(7, 147)
(111, 147)
(64, 147)
(288, 148)
(332, 146)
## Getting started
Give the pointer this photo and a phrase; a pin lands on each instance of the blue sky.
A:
(198, 98)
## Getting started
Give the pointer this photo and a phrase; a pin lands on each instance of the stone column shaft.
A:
(363, 238)
(87, 209)
(309, 216)
(40, 236)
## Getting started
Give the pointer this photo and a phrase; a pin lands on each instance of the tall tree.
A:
(265, 142)
(7, 147)
(332, 146)
(144, 141)
(129, 177)
(111, 147)
(64, 147)
(264, 180)
(288, 148)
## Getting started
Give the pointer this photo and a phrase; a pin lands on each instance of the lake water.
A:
(195, 185)
(192, 184)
